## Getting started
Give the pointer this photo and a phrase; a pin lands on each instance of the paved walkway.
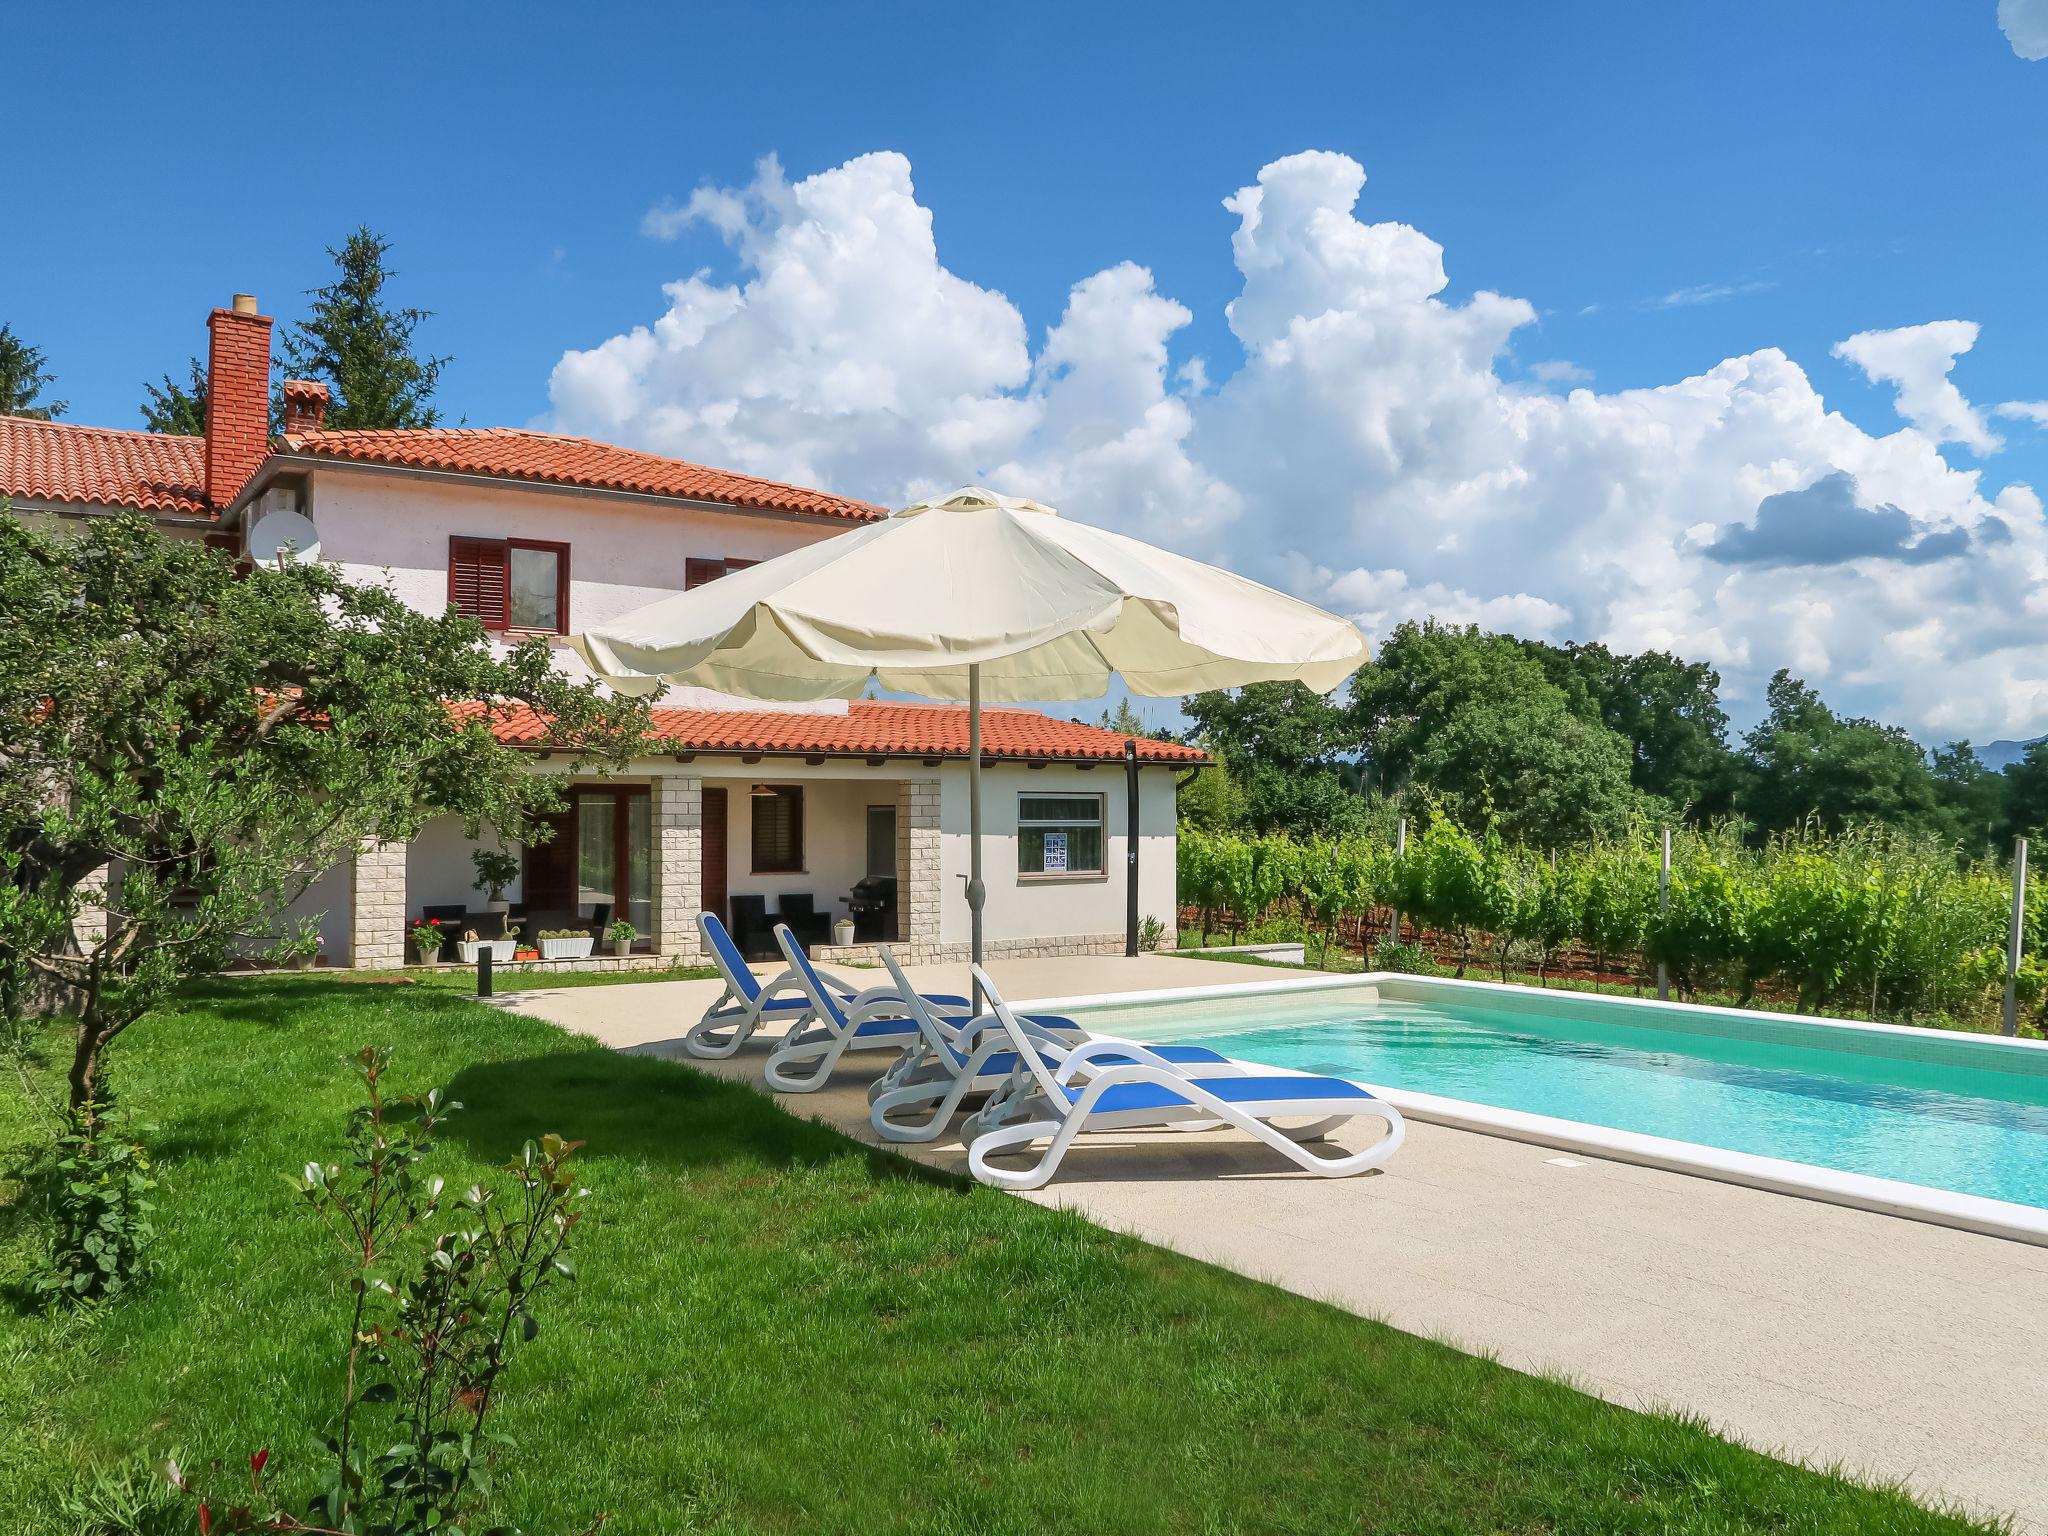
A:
(1901, 1351)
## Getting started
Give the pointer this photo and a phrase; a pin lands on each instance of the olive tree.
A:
(184, 747)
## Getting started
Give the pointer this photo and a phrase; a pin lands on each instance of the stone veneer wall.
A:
(377, 938)
(677, 817)
(917, 866)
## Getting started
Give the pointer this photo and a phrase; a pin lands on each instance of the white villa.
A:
(751, 811)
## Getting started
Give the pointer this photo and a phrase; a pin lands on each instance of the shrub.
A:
(102, 1209)
(424, 1353)
(1151, 934)
(1406, 959)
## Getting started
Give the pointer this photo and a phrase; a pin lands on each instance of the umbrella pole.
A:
(977, 893)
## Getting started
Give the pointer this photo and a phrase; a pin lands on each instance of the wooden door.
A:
(549, 888)
(714, 854)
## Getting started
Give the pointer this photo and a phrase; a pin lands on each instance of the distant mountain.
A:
(2000, 755)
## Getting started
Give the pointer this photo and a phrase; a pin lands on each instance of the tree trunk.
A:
(84, 1077)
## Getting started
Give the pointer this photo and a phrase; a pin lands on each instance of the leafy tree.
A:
(1804, 761)
(1213, 802)
(362, 347)
(1971, 798)
(23, 378)
(1303, 802)
(1667, 710)
(1471, 719)
(1126, 721)
(2025, 811)
(190, 747)
(179, 409)
(1284, 724)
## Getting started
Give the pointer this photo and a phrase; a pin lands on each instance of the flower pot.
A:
(842, 932)
(428, 954)
(497, 904)
(567, 949)
(622, 947)
(300, 962)
(501, 949)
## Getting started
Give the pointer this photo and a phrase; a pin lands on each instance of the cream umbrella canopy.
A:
(974, 596)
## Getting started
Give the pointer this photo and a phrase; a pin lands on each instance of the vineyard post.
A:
(2009, 1022)
(1663, 906)
(1400, 853)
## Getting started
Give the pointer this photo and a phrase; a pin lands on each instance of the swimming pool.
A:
(1949, 1112)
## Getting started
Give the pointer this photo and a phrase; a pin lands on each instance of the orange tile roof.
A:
(102, 466)
(870, 729)
(516, 454)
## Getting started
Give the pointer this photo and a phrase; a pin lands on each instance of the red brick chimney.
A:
(305, 405)
(237, 397)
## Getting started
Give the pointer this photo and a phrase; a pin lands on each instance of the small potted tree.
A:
(622, 934)
(427, 939)
(495, 869)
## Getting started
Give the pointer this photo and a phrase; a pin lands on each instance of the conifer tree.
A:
(361, 347)
(23, 378)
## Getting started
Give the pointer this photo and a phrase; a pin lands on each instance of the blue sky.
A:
(1667, 186)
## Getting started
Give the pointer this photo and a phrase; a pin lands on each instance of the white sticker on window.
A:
(1055, 853)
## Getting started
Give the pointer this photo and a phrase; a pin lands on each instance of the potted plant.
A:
(501, 949)
(622, 934)
(842, 932)
(565, 944)
(427, 940)
(527, 952)
(495, 869)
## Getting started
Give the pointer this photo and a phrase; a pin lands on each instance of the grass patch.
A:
(778, 1330)
(461, 979)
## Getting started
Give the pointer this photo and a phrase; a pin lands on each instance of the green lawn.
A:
(777, 1330)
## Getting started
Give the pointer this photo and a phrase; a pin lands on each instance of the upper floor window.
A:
(520, 586)
(696, 572)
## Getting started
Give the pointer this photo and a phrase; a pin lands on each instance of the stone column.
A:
(917, 865)
(376, 936)
(677, 817)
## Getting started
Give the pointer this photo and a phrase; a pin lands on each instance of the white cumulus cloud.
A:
(1918, 360)
(1368, 451)
(2026, 26)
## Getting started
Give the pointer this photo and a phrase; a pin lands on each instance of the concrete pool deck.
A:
(1900, 1351)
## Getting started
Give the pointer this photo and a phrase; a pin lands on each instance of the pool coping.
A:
(1892, 1197)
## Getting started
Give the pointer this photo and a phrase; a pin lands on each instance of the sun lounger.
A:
(747, 1002)
(1055, 1102)
(955, 1058)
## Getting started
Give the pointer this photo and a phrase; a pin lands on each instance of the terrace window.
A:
(778, 828)
(515, 586)
(1059, 835)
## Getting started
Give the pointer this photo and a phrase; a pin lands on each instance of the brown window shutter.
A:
(739, 565)
(478, 584)
(697, 572)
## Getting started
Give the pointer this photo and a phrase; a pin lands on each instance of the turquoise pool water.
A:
(1962, 1115)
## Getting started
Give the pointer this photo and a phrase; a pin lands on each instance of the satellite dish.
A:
(289, 536)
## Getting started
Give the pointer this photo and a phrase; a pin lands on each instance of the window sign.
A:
(1055, 853)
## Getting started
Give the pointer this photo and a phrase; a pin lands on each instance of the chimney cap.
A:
(305, 389)
(245, 304)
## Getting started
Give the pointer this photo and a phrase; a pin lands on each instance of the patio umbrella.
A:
(974, 596)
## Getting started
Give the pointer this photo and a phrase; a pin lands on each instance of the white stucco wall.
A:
(327, 901)
(394, 529)
(438, 871)
(1045, 907)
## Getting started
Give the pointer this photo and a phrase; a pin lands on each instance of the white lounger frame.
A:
(1037, 1108)
(930, 1075)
